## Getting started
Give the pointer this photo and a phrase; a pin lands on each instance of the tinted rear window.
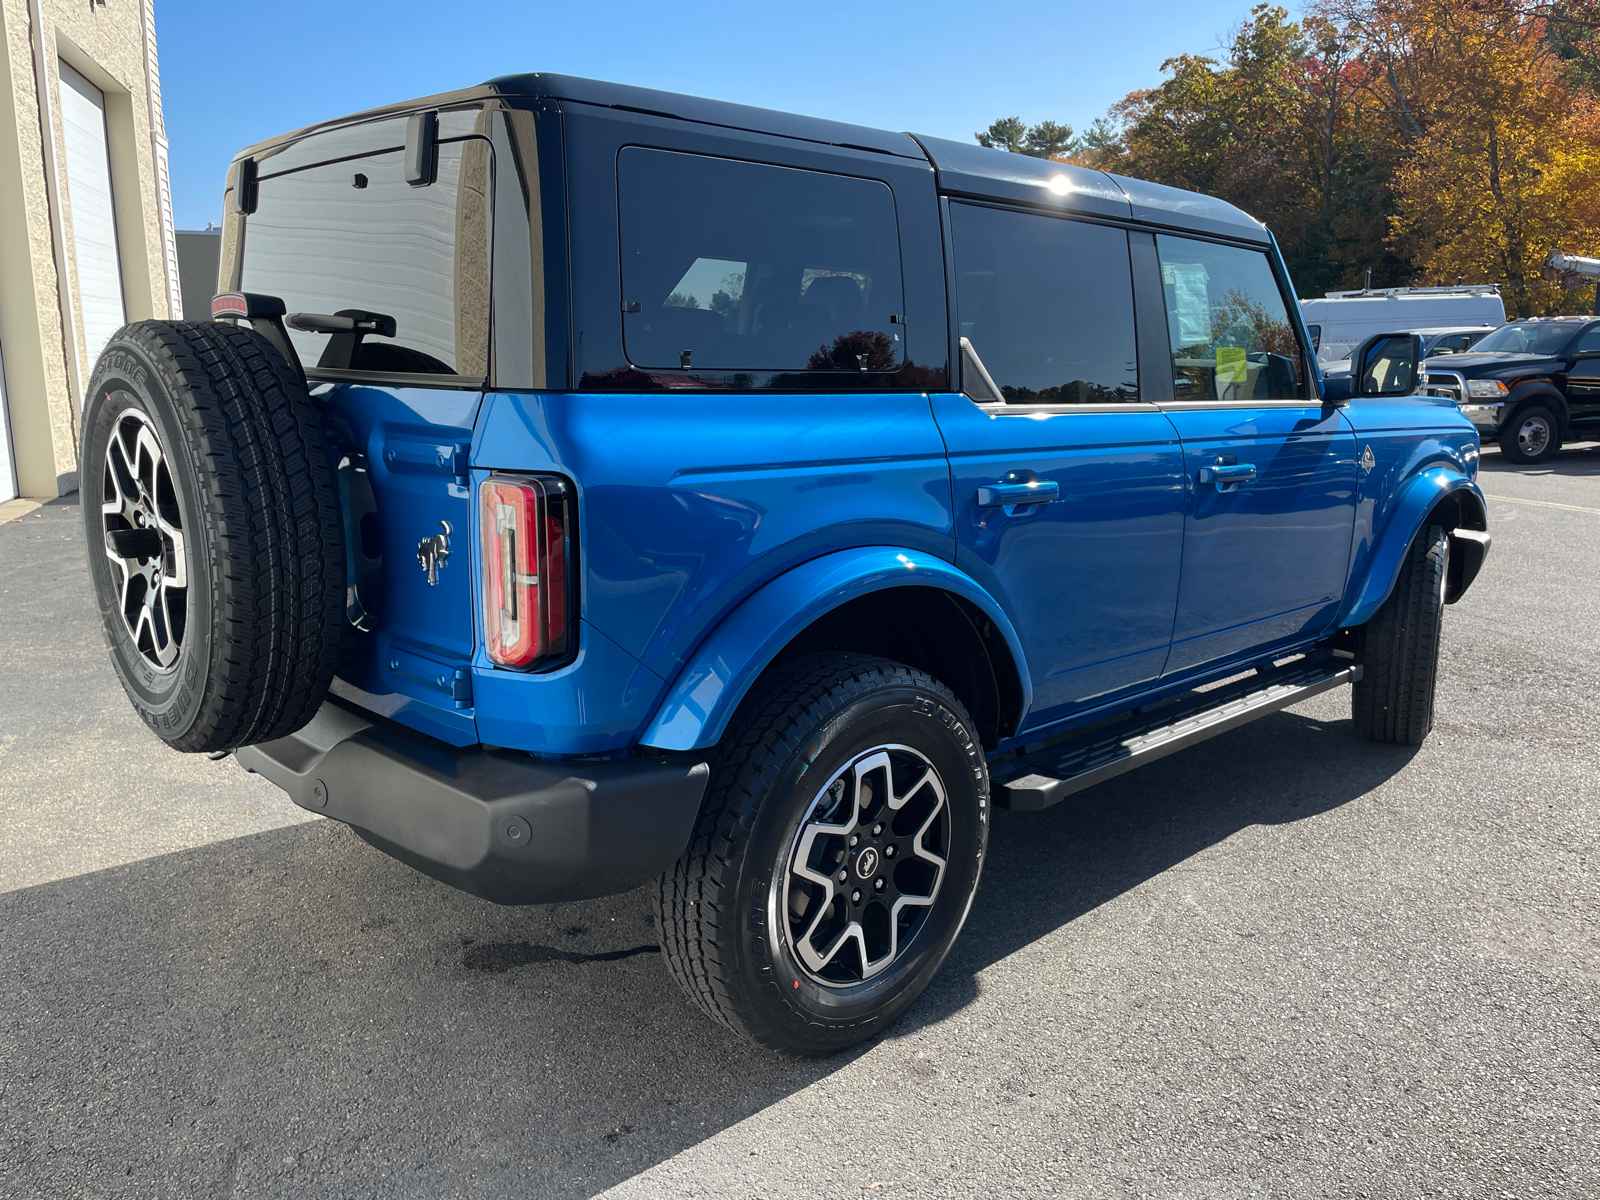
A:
(1047, 304)
(740, 266)
(353, 235)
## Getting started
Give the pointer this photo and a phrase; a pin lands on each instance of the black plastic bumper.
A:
(492, 822)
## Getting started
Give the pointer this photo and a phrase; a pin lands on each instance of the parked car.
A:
(584, 487)
(1340, 321)
(1454, 340)
(1529, 385)
(1435, 342)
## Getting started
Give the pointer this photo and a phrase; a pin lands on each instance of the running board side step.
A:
(1055, 771)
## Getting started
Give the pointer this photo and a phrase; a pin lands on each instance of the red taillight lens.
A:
(523, 537)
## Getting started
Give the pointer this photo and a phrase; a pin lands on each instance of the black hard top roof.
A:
(707, 112)
(965, 169)
(962, 168)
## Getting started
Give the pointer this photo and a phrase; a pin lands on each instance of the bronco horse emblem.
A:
(432, 552)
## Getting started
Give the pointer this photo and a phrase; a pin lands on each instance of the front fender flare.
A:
(1419, 497)
(711, 684)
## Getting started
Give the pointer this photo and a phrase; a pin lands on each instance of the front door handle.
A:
(1228, 476)
(1034, 491)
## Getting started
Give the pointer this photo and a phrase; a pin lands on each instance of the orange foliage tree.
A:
(1421, 140)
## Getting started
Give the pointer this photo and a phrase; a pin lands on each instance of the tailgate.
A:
(408, 520)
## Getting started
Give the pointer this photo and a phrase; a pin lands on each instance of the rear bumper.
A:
(494, 823)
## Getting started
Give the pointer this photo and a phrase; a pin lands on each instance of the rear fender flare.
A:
(722, 669)
(1418, 499)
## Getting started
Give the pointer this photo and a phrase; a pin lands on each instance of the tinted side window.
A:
(1589, 343)
(1047, 304)
(1230, 330)
(353, 235)
(738, 266)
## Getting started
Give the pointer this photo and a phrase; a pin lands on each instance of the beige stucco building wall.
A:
(112, 44)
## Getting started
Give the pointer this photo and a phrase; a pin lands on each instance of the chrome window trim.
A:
(995, 409)
(1241, 404)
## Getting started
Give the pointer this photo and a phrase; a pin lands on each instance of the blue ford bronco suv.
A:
(581, 487)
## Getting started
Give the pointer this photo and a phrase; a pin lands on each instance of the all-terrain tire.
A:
(1531, 435)
(1398, 648)
(724, 910)
(215, 542)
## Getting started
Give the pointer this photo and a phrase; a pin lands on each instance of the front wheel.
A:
(1531, 436)
(836, 857)
(1398, 648)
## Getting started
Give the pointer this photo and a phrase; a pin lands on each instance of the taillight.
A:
(524, 534)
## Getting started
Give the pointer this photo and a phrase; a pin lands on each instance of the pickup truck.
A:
(581, 488)
(1529, 385)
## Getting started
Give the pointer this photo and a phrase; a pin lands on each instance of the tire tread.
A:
(1398, 648)
(271, 540)
(699, 933)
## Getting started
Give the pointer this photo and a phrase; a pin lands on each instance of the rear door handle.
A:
(1228, 476)
(1035, 491)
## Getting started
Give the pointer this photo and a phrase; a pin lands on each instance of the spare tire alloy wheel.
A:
(216, 547)
(143, 527)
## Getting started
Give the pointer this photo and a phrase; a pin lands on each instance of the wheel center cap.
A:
(867, 863)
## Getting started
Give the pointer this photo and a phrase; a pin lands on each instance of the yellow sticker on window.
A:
(1231, 365)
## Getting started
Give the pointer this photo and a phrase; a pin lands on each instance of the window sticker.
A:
(1191, 301)
(1232, 365)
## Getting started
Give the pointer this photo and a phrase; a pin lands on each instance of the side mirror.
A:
(1388, 364)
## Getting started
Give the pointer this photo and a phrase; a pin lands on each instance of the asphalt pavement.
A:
(1283, 963)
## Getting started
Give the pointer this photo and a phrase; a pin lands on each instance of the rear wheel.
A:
(1531, 436)
(216, 548)
(836, 857)
(1398, 648)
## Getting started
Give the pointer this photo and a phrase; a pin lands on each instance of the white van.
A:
(1340, 321)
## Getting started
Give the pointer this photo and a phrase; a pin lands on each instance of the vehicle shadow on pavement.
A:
(292, 1013)
(1047, 869)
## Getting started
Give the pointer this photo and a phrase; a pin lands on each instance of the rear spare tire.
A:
(216, 548)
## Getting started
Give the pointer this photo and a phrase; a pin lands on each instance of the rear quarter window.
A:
(740, 266)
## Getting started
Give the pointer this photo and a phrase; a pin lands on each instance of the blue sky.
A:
(235, 73)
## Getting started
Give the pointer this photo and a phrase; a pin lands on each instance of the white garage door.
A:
(94, 224)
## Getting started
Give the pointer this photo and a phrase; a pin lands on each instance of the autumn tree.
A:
(1492, 174)
(1272, 128)
(1423, 140)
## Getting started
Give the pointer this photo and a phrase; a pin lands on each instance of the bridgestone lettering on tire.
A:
(836, 856)
(214, 540)
(1399, 648)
